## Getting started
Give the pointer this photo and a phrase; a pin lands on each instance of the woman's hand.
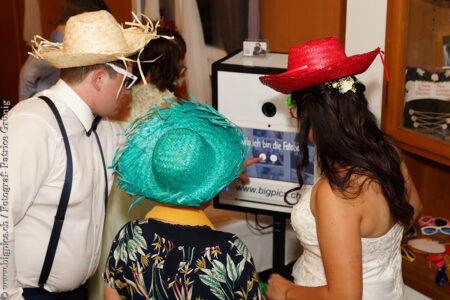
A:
(248, 162)
(277, 287)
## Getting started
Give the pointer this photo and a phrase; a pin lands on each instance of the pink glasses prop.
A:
(434, 222)
(432, 225)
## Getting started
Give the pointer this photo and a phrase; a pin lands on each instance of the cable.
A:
(258, 226)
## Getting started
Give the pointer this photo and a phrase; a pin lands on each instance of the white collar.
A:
(67, 95)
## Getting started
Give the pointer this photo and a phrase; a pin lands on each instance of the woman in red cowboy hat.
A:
(352, 224)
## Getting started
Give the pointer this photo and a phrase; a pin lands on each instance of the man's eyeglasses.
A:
(130, 79)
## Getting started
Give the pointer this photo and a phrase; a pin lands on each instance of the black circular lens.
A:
(268, 109)
(440, 222)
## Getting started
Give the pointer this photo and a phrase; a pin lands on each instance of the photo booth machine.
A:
(264, 117)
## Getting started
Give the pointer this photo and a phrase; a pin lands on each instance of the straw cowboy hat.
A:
(93, 38)
(182, 155)
(315, 62)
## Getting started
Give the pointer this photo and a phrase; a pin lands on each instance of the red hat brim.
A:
(301, 78)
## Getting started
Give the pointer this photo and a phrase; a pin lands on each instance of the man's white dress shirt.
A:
(36, 171)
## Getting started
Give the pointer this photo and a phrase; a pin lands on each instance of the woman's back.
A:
(370, 204)
(381, 258)
(364, 199)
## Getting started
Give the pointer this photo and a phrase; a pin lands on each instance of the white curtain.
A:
(151, 9)
(32, 21)
(253, 19)
(187, 19)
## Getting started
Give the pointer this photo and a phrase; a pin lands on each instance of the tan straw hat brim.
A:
(93, 38)
(60, 59)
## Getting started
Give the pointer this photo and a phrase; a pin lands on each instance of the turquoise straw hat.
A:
(181, 155)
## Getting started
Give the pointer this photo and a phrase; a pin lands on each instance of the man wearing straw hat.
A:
(37, 75)
(58, 148)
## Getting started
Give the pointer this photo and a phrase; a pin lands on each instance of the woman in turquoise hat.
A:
(352, 223)
(181, 157)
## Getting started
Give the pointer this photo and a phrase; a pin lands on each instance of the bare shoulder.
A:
(324, 198)
(323, 190)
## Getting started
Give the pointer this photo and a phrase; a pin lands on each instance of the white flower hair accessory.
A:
(343, 84)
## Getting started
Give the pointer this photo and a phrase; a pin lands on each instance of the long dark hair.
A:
(350, 145)
(166, 69)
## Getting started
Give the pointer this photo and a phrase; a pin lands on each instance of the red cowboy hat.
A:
(315, 62)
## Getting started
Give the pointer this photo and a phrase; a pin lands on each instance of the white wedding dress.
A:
(381, 257)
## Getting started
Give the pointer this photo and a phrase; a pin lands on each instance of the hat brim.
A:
(60, 59)
(301, 78)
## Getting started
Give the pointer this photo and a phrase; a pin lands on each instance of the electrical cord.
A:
(257, 226)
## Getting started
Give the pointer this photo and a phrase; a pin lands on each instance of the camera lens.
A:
(268, 109)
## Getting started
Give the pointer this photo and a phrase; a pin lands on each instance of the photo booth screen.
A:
(278, 151)
(267, 126)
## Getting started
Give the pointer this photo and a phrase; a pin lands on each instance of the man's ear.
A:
(98, 77)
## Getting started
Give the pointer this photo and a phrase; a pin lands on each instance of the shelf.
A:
(420, 273)
(413, 43)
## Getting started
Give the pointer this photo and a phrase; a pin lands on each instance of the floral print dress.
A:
(150, 259)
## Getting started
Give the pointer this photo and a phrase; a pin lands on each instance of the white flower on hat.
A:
(347, 85)
(344, 84)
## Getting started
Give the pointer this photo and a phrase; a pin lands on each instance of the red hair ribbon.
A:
(292, 114)
(384, 65)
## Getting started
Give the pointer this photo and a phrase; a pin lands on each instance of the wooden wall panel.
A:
(120, 9)
(293, 22)
(49, 10)
(424, 43)
(13, 47)
(432, 181)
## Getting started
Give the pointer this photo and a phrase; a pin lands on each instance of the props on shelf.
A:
(425, 246)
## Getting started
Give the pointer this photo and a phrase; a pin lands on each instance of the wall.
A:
(360, 25)
(425, 42)
(13, 50)
(293, 22)
(365, 31)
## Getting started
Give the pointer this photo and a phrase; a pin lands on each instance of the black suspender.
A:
(63, 201)
(104, 169)
(65, 195)
(94, 129)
